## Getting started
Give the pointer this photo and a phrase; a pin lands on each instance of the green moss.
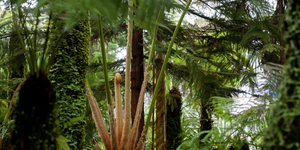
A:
(68, 77)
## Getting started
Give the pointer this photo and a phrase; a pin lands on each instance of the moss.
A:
(284, 122)
(68, 77)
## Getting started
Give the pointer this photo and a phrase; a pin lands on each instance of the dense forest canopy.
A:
(149, 74)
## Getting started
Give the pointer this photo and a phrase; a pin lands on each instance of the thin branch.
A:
(96, 144)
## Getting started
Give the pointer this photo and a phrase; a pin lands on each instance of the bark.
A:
(96, 144)
(205, 119)
(282, 43)
(174, 137)
(137, 75)
(35, 124)
(153, 123)
(160, 109)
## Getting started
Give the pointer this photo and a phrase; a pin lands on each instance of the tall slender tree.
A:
(160, 108)
(137, 75)
(281, 8)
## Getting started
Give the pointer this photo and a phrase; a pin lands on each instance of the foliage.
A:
(283, 125)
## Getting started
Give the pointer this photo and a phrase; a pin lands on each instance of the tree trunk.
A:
(282, 43)
(284, 121)
(153, 123)
(68, 77)
(36, 125)
(205, 119)
(160, 108)
(174, 137)
(137, 75)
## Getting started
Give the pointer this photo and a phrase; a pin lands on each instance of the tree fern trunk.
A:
(205, 119)
(174, 137)
(137, 75)
(160, 108)
(68, 77)
(206, 109)
(284, 121)
(35, 126)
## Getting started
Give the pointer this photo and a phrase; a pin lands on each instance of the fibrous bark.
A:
(137, 75)
(174, 137)
(36, 125)
(160, 110)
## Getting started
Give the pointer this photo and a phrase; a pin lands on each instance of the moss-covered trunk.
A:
(68, 77)
(284, 122)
